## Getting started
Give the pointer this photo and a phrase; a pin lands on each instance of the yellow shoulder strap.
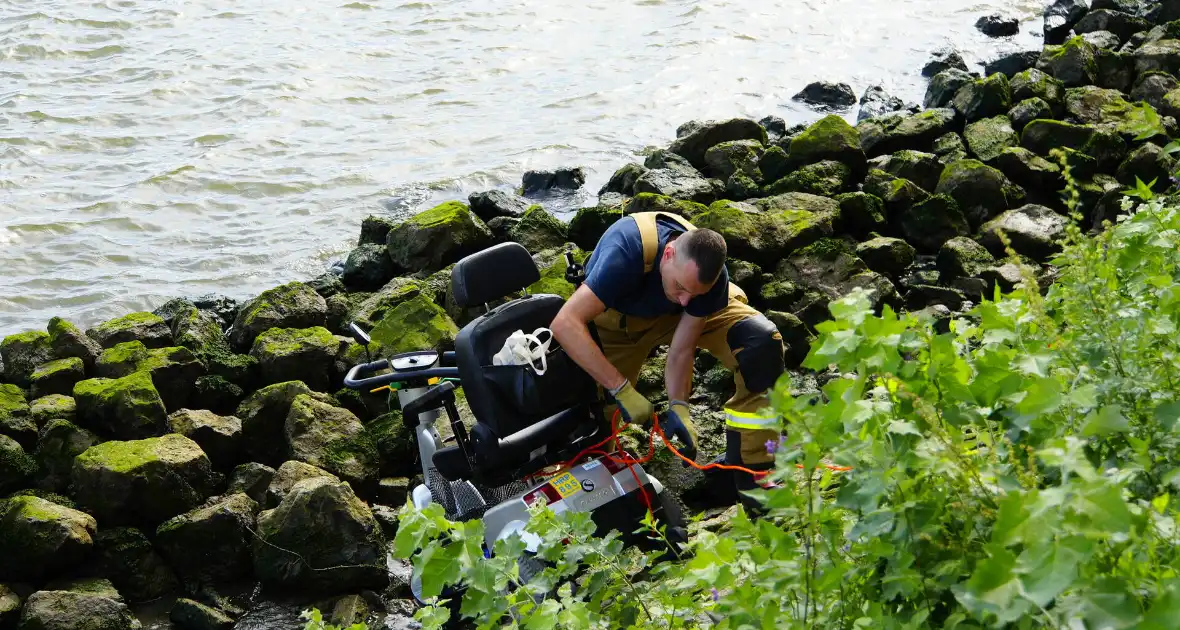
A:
(650, 236)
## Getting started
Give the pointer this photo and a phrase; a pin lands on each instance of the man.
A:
(683, 299)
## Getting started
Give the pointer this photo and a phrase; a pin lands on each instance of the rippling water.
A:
(150, 150)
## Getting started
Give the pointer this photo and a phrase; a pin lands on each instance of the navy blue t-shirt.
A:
(615, 274)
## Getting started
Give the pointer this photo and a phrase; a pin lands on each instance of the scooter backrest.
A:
(493, 273)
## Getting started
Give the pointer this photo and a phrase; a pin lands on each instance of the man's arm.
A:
(678, 373)
(571, 331)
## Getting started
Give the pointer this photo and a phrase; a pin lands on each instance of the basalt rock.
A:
(562, 179)
(1149, 163)
(1106, 147)
(538, 230)
(1012, 63)
(923, 169)
(929, 224)
(980, 191)
(75, 610)
(368, 267)
(41, 539)
(942, 60)
(983, 98)
(1121, 24)
(861, 213)
(944, 86)
(435, 238)
(1074, 63)
(146, 328)
(1027, 111)
(490, 204)
(736, 156)
(877, 102)
(997, 25)
(961, 257)
(16, 420)
(125, 408)
(218, 436)
(331, 438)
(988, 137)
(896, 132)
(827, 178)
(1060, 17)
(20, 354)
(286, 354)
(703, 136)
(293, 305)
(1034, 231)
(762, 231)
(886, 255)
(67, 340)
(830, 138)
(827, 95)
(263, 415)
(58, 443)
(211, 544)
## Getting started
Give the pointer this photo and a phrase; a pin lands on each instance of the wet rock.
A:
(252, 479)
(1033, 83)
(1102, 39)
(861, 213)
(538, 230)
(58, 443)
(589, 224)
(218, 436)
(437, 237)
(886, 255)
(217, 394)
(961, 257)
(1060, 17)
(896, 132)
(1121, 24)
(126, 408)
(224, 307)
(988, 137)
(1030, 171)
(929, 224)
(16, 420)
(1152, 88)
(331, 438)
(736, 156)
(997, 25)
(1034, 231)
(72, 610)
(192, 615)
(949, 148)
(374, 230)
(15, 465)
(1027, 111)
(533, 182)
(10, 605)
(741, 186)
(942, 60)
(67, 340)
(286, 354)
(774, 164)
(1012, 63)
(142, 481)
(263, 415)
(323, 522)
(368, 267)
(292, 305)
(393, 490)
(983, 98)
(20, 354)
(760, 232)
(980, 191)
(210, 544)
(289, 474)
(200, 331)
(877, 102)
(1074, 63)
(622, 181)
(146, 328)
(675, 177)
(827, 270)
(1106, 147)
(827, 178)
(1149, 163)
(943, 87)
(897, 194)
(827, 95)
(703, 136)
(490, 204)
(57, 377)
(416, 324)
(647, 202)
(40, 539)
(329, 283)
(923, 169)
(1132, 7)
(830, 138)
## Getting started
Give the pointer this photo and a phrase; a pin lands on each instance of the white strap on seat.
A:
(522, 349)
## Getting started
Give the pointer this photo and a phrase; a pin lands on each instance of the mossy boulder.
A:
(648, 202)
(589, 224)
(827, 270)
(1147, 163)
(943, 87)
(217, 394)
(252, 479)
(1073, 63)
(961, 257)
(1123, 25)
(53, 407)
(988, 137)
(827, 178)
(1034, 231)
(321, 538)
(16, 467)
(1042, 136)
(929, 224)
(774, 164)
(20, 354)
(67, 340)
(374, 230)
(173, 370)
(125, 408)
(1105, 109)
(1162, 55)
(331, 438)
(375, 307)
(897, 132)
(949, 148)
(211, 544)
(830, 138)
(146, 328)
(220, 437)
(128, 559)
(886, 255)
(1027, 111)
(490, 204)
(416, 324)
(285, 478)
(188, 613)
(1033, 83)
(538, 230)
(76, 610)
(861, 213)
(980, 191)
(368, 267)
(199, 331)
(121, 359)
(40, 539)
(552, 266)
(16, 419)
(671, 175)
(58, 443)
(622, 181)
(263, 415)
(695, 139)
(437, 237)
(1038, 176)
(288, 354)
(919, 167)
(1152, 87)
(736, 156)
(57, 377)
(10, 606)
(983, 98)
(898, 195)
(395, 442)
(142, 481)
(762, 234)
(1116, 70)
(292, 305)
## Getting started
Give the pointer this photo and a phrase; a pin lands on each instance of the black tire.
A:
(669, 509)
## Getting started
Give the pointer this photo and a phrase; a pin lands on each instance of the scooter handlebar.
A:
(354, 380)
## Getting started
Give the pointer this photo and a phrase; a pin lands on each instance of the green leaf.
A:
(437, 566)
(1050, 568)
(1034, 364)
(1167, 414)
(1110, 605)
(1105, 421)
(902, 427)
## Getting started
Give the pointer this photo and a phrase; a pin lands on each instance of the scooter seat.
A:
(530, 443)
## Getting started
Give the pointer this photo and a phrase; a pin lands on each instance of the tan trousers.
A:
(627, 342)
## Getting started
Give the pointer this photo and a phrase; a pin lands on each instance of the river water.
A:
(155, 149)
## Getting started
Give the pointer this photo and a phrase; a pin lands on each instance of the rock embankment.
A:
(210, 443)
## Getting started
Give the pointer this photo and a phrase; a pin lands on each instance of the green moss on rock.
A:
(651, 202)
(437, 237)
(861, 213)
(288, 354)
(331, 438)
(896, 193)
(1033, 83)
(15, 465)
(54, 406)
(552, 265)
(1073, 63)
(736, 156)
(292, 305)
(15, 418)
(589, 224)
(146, 328)
(59, 442)
(39, 538)
(886, 255)
(984, 98)
(896, 132)
(830, 138)
(415, 324)
(990, 136)
(20, 354)
(538, 230)
(931, 223)
(762, 233)
(980, 191)
(127, 407)
(827, 178)
(1042, 136)
(57, 377)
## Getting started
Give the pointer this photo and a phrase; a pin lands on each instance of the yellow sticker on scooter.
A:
(565, 484)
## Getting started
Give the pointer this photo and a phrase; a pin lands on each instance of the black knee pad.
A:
(758, 347)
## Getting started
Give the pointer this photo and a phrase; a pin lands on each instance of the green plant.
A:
(315, 621)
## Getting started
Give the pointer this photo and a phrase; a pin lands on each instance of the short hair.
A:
(707, 249)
